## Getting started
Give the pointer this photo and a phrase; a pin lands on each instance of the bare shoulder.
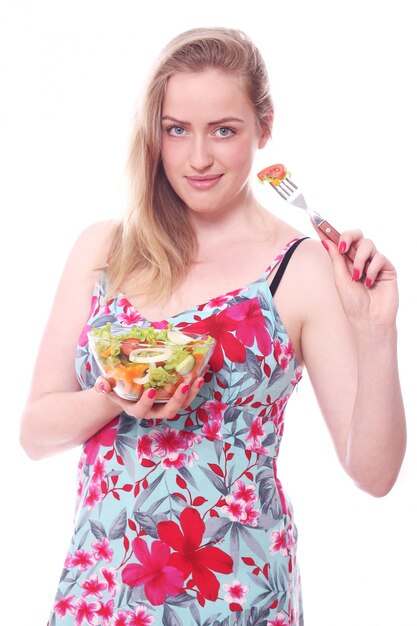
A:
(94, 243)
(307, 292)
(310, 274)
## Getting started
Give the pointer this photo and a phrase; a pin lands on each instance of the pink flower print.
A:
(218, 303)
(122, 617)
(99, 469)
(279, 541)
(174, 460)
(279, 620)
(102, 550)
(190, 439)
(212, 430)
(106, 612)
(159, 579)
(64, 606)
(68, 561)
(244, 492)
(220, 327)
(215, 410)
(86, 612)
(141, 617)
(82, 559)
(286, 355)
(167, 442)
(124, 302)
(93, 587)
(162, 325)
(80, 487)
(256, 446)
(251, 515)
(235, 592)
(144, 447)
(235, 509)
(193, 457)
(290, 539)
(110, 576)
(130, 317)
(298, 374)
(251, 324)
(94, 495)
(256, 429)
(104, 437)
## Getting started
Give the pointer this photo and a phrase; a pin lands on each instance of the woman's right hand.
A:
(146, 407)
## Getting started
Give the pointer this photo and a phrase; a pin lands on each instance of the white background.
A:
(343, 77)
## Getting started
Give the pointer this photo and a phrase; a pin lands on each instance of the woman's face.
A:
(210, 134)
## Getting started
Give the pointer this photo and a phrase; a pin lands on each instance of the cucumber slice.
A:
(186, 365)
(178, 338)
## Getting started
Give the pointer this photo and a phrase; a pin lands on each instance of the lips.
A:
(203, 182)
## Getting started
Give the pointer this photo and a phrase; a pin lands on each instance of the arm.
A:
(58, 415)
(348, 343)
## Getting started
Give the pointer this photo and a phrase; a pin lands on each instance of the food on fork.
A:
(273, 174)
(139, 358)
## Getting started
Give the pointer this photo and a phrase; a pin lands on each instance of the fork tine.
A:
(289, 181)
(288, 188)
(283, 195)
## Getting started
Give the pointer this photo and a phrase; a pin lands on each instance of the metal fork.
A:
(289, 191)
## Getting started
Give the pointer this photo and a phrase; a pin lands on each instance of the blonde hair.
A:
(157, 241)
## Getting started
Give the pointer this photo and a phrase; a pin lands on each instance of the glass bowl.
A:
(139, 358)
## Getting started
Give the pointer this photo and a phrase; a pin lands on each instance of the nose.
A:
(201, 157)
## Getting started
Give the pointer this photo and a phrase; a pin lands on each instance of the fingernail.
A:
(356, 274)
(185, 389)
(368, 282)
(151, 393)
(325, 245)
(342, 247)
(200, 383)
(102, 387)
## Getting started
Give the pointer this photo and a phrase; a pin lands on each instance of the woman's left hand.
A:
(367, 287)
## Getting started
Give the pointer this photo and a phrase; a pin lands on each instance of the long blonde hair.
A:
(157, 241)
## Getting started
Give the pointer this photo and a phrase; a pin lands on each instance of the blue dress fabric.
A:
(184, 521)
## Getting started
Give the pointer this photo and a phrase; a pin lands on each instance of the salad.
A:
(274, 174)
(140, 358)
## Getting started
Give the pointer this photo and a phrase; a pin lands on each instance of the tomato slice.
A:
(277, 171)
(128, 345)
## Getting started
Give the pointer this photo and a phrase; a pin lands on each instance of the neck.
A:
(248, 219)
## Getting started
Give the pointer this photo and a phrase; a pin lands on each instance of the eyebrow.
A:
(223, 120)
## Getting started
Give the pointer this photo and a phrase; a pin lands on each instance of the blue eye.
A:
(176, 131)
(225, 131)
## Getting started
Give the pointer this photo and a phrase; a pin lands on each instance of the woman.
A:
(156, 541)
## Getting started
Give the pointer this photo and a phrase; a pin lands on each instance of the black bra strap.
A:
(282, 266)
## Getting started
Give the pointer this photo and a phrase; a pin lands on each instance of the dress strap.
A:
(283, 259)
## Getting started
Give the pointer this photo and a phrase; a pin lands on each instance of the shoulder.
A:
(95, 242)
(307, 293)
(311, 275)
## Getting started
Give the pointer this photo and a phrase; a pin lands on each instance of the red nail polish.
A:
(151, 393)
(185, 389)
(325, 245)
(368, 282)
(356, 274)
(342, 247)
(201, 383)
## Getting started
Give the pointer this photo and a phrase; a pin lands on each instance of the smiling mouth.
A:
(203, 182)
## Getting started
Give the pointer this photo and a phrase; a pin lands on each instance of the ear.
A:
(266, 129)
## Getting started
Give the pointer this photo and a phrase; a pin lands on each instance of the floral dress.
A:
(184, 521)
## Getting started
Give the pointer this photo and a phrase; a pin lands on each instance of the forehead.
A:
(210, 92)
